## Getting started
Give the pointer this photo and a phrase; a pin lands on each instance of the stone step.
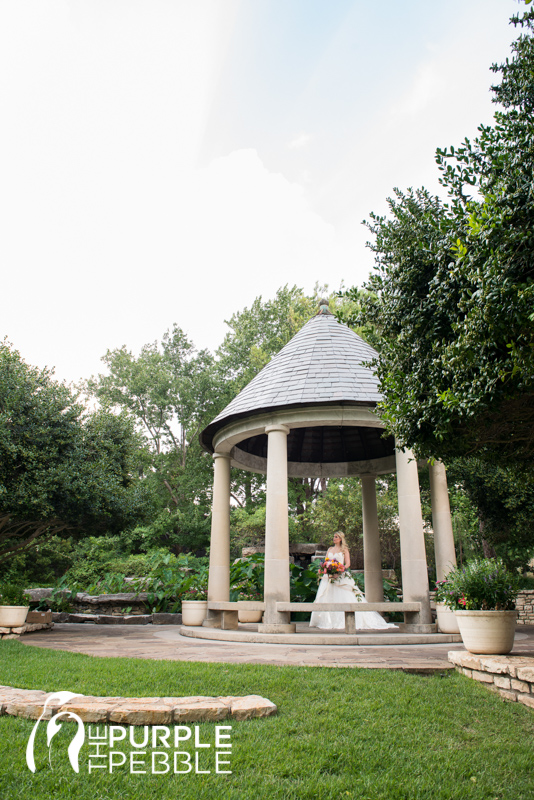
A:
(320, 638)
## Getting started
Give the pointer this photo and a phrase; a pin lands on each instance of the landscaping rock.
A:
(166, 619)
(136, 710)
(252, 706)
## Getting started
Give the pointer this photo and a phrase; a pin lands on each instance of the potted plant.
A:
(14, 606)
(482, 595)
(446, 618)
(249, 593)
(194, 604)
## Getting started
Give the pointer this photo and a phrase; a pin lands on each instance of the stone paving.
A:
(164, 642)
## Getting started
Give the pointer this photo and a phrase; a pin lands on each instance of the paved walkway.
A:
(164, 642)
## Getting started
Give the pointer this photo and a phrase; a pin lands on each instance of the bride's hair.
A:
(341, 535)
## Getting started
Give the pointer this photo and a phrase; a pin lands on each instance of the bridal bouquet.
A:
(334, 569)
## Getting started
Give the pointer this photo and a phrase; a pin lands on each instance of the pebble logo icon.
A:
(58, 698)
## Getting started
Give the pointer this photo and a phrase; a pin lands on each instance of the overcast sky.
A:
(167, 161)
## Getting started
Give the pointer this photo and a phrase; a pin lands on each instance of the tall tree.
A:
(452, 293)
(61, 468)
(170, 390)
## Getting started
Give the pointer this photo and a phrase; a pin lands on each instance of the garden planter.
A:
(194, 612)
(447, 622)
(13, 616)
(249, 615)
(487, 632)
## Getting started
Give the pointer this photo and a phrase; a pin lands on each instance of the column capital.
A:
(368, 475)
(222, 455)
(281, 428)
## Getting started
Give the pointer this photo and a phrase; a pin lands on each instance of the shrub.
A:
(481, 584)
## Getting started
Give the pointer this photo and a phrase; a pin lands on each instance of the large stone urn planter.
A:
(194, 612)
(487, 632)
(13, 616)
(447, 622)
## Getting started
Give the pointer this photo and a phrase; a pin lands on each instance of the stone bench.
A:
(230, 610)
(350, 609)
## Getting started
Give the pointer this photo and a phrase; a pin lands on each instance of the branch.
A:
(171, 491)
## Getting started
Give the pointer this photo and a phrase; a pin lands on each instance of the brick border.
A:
(510, 676)
(29, 704)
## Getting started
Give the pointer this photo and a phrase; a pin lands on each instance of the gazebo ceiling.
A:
(324, 364)
(327, 444)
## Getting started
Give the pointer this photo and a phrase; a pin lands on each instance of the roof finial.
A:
(323, 307)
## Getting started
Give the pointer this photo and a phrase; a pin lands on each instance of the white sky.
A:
(167, 161)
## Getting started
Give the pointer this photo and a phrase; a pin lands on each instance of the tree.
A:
(504, 499)
(61, 468)
(452, 294)
(171, 392)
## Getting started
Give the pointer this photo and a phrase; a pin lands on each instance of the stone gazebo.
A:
(310, 413)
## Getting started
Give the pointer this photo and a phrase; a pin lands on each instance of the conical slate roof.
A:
(322, 363)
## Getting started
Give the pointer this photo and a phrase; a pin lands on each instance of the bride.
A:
(343, 590)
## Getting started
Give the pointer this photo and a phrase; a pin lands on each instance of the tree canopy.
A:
(61, 467)
(452, 293)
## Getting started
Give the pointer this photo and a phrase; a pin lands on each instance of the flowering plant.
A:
(198, 592)
(332, 568)
(246, 590)
(484, 584)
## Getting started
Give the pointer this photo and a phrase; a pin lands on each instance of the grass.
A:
(340, 733)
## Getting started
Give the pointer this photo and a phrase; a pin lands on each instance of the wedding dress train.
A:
(344, 590)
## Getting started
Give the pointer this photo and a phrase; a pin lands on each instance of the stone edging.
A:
(29, 704)
(28, 627)
(510, 676)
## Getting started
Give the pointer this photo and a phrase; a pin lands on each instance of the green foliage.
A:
(481, 584)
(42, 565)
(247, 576)
(303, 582)
(167, 579)
(62, 597)
(504, 498)
(452, 295)
(171, 392)
(339, 508)
(61, 468)
(12, 594)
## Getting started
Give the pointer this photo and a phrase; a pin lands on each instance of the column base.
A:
(418, 627)
(277, 627)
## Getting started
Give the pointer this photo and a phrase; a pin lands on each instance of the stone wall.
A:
(525, 606)
(510, 676)
(15, 633)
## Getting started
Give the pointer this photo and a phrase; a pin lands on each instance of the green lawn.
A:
(340, 733)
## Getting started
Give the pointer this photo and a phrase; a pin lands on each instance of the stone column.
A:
(412, 542)
(219, 578)
(276, 533)
(372, 561)
(441, 520)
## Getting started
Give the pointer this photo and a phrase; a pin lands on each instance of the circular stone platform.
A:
(303, 636)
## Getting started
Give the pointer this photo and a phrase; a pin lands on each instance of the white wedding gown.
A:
(344, 590)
